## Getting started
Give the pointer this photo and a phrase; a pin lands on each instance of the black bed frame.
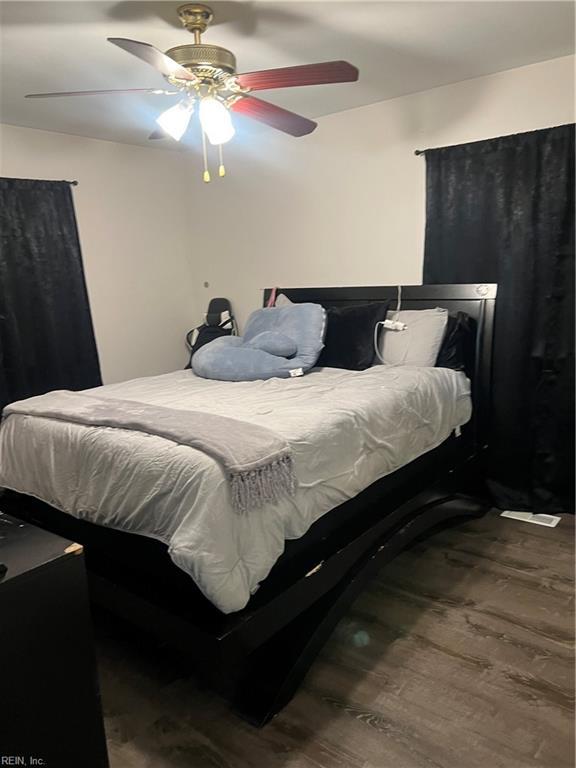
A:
(258, 656)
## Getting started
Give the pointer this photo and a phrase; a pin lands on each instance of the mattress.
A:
(346, 429)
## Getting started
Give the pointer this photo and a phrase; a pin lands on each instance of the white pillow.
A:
(420, 343)
(283, 301)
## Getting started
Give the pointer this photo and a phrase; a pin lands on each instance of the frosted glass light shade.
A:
(216, 121)
(176, 119)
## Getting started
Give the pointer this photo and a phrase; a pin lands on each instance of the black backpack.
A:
(219, 321)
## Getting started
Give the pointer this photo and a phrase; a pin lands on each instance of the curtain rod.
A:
(420, 151)
(73, 183)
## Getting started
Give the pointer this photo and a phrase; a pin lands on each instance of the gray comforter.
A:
(257, 461)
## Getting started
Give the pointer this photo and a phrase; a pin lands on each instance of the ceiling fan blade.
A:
(157, 91)
(154, 57)
(276, 117)
(307, 74)
(158, 134)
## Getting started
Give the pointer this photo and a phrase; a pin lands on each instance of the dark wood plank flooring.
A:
(460, 655)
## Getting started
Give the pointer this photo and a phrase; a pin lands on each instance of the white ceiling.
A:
(399, 47)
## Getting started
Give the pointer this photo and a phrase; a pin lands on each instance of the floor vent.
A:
(551, 521)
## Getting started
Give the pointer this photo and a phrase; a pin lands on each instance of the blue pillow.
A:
(273, 342)
(296, 331)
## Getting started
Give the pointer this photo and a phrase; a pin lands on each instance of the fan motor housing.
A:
(201, 56)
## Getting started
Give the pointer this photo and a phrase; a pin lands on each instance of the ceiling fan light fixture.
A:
(207, 73)
(174, 121)
(216, 121)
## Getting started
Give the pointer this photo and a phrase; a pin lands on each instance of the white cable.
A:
(390, 325)
(398, 302)
(378, 355)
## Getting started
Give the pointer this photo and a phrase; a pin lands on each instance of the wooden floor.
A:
(459, 655)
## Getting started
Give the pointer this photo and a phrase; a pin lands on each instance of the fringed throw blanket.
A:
(257, 461)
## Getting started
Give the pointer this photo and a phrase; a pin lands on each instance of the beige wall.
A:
(346, 205)
(134, 240)
(342, 206)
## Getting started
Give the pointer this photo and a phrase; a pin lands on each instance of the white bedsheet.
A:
(346, 430)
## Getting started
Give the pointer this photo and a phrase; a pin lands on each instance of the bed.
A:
(380, 456)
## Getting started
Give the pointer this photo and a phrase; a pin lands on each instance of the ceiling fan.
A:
(205, 75)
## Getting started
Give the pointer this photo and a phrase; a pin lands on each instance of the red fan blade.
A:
(154, 57)
(307, 74)
(276, 117)
(157, 91)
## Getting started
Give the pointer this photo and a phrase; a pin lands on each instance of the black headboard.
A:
(477, 300)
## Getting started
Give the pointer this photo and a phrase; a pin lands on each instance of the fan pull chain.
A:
(221, 168)
(206, 175)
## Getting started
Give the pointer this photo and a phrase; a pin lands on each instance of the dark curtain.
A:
(46, 336)
(502, 211)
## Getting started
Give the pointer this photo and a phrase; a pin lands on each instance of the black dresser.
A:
(50, 710)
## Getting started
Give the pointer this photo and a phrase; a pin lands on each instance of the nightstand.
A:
(50, 711)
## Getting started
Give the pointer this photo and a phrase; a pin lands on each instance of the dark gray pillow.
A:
(457, 351)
